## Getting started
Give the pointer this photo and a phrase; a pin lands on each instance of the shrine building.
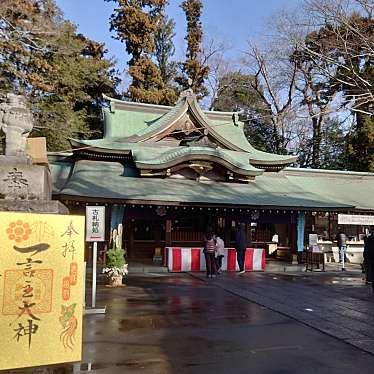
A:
(167, 173)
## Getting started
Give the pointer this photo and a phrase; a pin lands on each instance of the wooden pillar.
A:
(248, 230)
(293, 237)
(330, 227)
(108, 213)
(156, 227)
(131, 249)
(292, 233)
(227, 239)
(168, 233)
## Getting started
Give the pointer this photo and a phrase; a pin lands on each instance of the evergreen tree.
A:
(80, 76)
(164, 49)
(360, 144)
(28, 29)
(333, 146)
(192, 68)
(63, 74)
(135, 22)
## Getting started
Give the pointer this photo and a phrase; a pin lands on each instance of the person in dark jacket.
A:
(364, 269)
(341, 238)
(369, 258)
(240, 246)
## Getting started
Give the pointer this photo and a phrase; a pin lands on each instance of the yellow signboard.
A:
(41, 289)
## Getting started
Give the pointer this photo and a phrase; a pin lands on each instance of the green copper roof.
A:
(141, 134)
(151, 153)
(140, 151)
(349, 188)
(148, 156)
(60, 172)
(233, 132)
(122, 123)
(164, 119)
(134, 122)
(235, 161)
(291, 188)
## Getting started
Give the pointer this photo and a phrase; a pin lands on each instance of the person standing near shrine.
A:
(241, 246)
(369, 258)
(220, 252)
(209, 252)
(341, 238)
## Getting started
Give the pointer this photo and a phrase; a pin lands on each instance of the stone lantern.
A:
(16, 121)
(24, 186)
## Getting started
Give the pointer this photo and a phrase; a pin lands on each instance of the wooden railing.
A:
(187, 236)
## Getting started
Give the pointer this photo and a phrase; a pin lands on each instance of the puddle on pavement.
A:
(137, 365)
(154, 322)
(170, 321)
(143, 322)
(141, 302)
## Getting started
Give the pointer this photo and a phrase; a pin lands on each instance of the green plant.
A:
(115, 258)
(116, 263)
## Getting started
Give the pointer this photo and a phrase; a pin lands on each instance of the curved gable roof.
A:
(138, 122)
(140, 129)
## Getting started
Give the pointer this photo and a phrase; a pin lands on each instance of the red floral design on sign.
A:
(18, 231)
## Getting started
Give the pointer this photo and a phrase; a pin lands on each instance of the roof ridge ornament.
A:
(188, 93)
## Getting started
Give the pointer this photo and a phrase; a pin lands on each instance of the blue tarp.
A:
(116, 216)
(300, 231)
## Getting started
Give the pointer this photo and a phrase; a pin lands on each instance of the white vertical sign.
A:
(95, 232)
(95, 223)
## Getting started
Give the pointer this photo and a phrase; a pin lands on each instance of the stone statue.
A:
(16, 122)
(24, 186)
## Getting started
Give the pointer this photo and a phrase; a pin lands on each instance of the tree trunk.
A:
(316, 143)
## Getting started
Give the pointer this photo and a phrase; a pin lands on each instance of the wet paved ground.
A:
(183, 324)
(339, 304)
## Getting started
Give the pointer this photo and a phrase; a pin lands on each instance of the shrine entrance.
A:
(144, 238)
(148, 233)
(148, 230)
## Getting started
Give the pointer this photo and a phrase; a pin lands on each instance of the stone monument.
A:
(23, 185)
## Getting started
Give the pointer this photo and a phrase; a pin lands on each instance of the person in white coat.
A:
(220, 254)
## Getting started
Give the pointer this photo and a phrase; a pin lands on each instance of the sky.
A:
(232, 22)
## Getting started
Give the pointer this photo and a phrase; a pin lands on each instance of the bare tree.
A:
(339, 41)
(367, 6)
(274, 81)
(317, 102)
(312, 89)
(219, 67)
(213, 54)
(325, 43)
